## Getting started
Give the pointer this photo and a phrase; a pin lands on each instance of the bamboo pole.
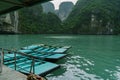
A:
(32, 69)
(1, 60)
(15, 60)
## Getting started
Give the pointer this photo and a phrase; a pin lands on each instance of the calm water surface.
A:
(90, 58)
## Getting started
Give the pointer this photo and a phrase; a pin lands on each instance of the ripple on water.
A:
(74, 70)
(117, 75)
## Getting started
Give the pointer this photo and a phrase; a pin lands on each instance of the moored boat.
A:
(44, 56)
(47, 48)
(28, 64)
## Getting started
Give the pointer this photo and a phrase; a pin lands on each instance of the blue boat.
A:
(24, 64)
(48, 49)
(32, 47)
(44, 56)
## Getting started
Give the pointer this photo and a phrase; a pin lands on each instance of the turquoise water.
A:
(90, 58)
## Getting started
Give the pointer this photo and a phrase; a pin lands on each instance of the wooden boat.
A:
(48, 49)
(27, 65)
(44, 56)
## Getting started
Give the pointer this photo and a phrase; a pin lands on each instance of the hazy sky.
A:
(57, 2)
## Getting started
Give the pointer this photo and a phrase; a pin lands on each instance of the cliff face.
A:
(9, 23)
(48, 7)
(64, 10)
(95, 17)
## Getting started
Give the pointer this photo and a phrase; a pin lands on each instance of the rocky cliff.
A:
(9, 23)
(64, 10)
(48, 7)
(95, 17)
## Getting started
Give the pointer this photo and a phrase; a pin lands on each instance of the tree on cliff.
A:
(95, 17)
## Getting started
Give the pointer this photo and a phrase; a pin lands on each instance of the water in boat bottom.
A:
(90, 58)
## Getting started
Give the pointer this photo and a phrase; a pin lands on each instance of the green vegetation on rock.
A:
(95, 17)
(87, 17)
(33, 20)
